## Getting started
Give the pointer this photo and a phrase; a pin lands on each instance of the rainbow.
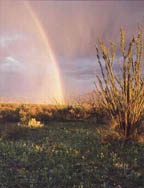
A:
(57, 85)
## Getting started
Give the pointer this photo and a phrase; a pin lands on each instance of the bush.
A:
(9, 113)
(33, 123)
(122, 94)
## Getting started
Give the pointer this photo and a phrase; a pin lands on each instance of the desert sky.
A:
(72, 29)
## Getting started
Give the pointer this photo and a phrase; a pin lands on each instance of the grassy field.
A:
(67, 154)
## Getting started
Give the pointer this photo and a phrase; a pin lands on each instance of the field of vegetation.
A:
(65, 146)
(98, 143)
(68, 154)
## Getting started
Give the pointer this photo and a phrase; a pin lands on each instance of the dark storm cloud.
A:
(79, 69)
(74, 27)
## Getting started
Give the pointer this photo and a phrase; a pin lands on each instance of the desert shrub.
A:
(60, 113)
(33, 123)
(122, 94)
(70, 112)
(91, 108)
(27, 112)
(9, 113)
(44, 115)
(23, 113)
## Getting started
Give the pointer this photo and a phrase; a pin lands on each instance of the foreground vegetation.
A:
(67, 154)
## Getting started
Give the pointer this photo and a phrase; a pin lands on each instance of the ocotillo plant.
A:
(122, 91)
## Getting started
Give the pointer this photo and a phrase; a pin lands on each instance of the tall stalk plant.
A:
(122, 91)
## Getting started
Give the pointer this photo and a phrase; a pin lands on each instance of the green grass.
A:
(69, 154)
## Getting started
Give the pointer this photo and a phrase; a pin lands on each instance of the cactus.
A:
(122, 93)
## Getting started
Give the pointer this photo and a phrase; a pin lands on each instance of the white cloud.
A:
(7, 38)
(11, 65)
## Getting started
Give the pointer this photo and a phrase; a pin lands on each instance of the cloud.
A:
(11, 65)
(7, 38)
(79, 69)
(74, 27)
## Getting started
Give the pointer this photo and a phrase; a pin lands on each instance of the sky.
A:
(72, 28)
